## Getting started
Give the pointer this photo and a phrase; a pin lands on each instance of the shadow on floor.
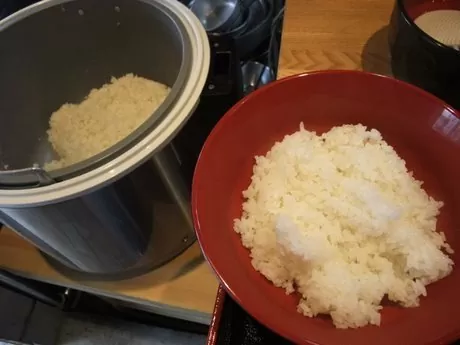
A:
(375, 56)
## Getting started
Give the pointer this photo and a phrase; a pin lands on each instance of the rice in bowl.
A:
(339, 218)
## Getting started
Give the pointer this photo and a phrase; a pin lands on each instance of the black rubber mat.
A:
(236, 327)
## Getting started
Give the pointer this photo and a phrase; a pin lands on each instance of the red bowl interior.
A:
(422, 129)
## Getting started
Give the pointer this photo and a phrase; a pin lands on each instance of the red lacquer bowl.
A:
(423, 130)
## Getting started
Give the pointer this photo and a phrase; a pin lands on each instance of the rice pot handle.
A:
(28, 177)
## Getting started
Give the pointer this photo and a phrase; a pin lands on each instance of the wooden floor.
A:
(331, 34)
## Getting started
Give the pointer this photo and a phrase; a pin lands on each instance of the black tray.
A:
(235, 327)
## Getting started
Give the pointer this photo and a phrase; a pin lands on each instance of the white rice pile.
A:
(106, 116)
(339, 218)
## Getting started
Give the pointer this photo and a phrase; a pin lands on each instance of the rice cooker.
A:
(126, 209)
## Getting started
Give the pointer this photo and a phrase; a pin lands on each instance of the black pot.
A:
(253, 31)
(260, 16)
(420, 59)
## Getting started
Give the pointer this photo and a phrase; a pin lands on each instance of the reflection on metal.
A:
(169, 172)
(217, 15)
(20, 178)
(255, 75)
(448, 125)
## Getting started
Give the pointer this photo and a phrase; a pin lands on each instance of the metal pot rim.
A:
(160, 136)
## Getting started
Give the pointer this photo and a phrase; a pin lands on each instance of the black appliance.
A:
(222, 90)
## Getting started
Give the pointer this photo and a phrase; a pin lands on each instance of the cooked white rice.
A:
(339, 218)
(106, 116)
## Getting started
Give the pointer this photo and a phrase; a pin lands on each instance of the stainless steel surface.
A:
(134, 224)
(255, 75)
(260, 16)
(95, 41)
(239, 29)
(34, 177)
(217, 15)
(168, 167)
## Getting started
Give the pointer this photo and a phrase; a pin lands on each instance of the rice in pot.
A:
(106, 116)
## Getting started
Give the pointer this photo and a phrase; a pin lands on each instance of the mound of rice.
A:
(339, 218)
(106, 116)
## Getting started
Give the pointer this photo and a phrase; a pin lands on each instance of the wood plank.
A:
(329, 34)
(184, 288)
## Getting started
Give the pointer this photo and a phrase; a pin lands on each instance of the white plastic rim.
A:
(154, 141)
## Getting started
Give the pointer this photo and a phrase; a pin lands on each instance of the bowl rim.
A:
(430, 40)
(204, 243)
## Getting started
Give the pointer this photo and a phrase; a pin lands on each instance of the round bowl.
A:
(425, 133)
